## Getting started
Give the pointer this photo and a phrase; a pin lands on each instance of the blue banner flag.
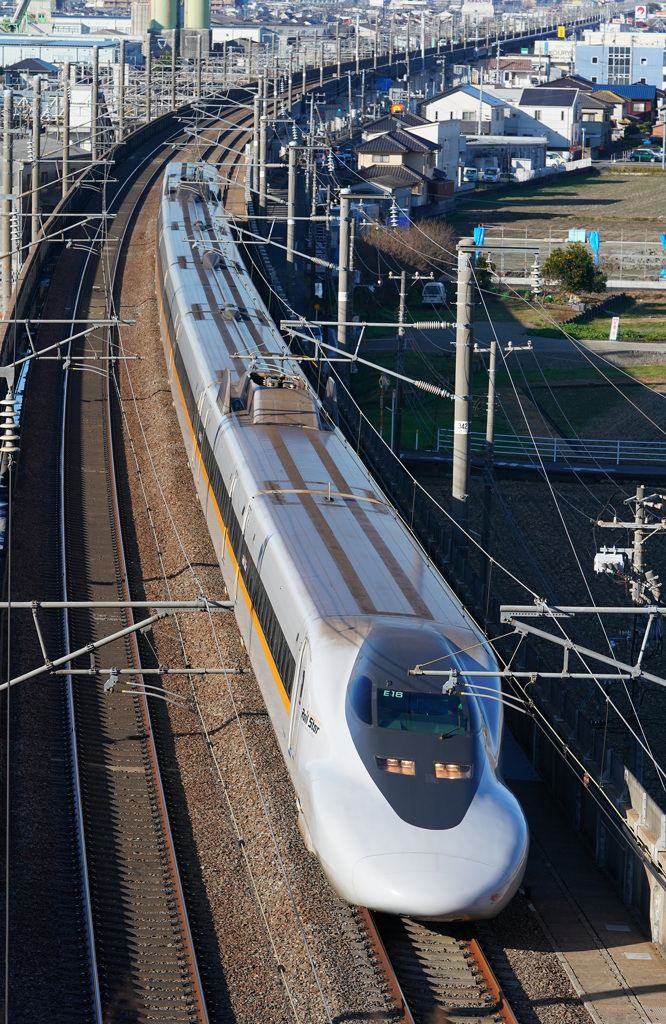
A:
(593, 239)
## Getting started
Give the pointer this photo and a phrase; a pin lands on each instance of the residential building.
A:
(554, 113)
(479, 111)
(517, 72)
(619, 106)
(595, 114)
(642, 100)
(404, 166)
(451, 143)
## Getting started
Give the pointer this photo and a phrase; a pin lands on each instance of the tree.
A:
(427, 246)
(483, 271)
(575, 269)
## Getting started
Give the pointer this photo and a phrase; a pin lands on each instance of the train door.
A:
(298, 697)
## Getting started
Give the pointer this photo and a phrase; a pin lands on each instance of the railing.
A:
(561, 449)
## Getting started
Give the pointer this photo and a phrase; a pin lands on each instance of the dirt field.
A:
(627, 201)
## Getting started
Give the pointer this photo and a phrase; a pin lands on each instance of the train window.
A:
(360, 697)
(421, 712)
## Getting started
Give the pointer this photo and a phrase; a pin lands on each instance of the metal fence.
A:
(561, 449)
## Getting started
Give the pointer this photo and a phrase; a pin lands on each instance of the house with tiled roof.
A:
(402, 164)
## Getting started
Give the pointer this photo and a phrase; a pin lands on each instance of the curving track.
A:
(98, 924)
(105, 936)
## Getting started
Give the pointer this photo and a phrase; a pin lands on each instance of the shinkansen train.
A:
(398, 789)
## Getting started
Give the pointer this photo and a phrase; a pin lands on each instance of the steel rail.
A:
(198, 1000)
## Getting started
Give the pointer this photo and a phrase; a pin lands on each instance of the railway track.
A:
(105, 892)
(436, 973)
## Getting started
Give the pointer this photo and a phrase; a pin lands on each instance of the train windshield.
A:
(443, 714)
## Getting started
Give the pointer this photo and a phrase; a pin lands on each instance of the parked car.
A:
(491, 174)
(433, 293)
(641, 156)
(470, 174)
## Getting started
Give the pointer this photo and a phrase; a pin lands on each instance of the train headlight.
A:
(453, 771)
(396, 765)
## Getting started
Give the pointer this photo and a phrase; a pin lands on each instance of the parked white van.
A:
(433, 293)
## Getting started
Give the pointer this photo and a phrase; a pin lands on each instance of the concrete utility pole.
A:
(66, 93)
(400, 366)
(121, 93)
(94, 106)
(291, 201)
(256, 127)
(349, 81)
(461, 410)
(356, 43)
(638, 560)
(173, 71)
(290, 88)
(337, 49)
(343, 268)
(321, 65)
(198, 85)
(7, 183)
(149, 73)
(263, 123)
(36, 153)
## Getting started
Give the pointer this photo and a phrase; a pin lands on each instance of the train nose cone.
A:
(433, 885)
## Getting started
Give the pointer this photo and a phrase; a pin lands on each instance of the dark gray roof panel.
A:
(548, 97)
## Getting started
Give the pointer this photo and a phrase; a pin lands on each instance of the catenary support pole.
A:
(173, 72)
(7, 182)
(256, 128)
(400, 366)
(36, 153)
(94, 106)
(149, 87)
(263, 127)
(343, 268)
(463, 382)
(291, 201)
(639, 518)
(121, 92)
(66, 99)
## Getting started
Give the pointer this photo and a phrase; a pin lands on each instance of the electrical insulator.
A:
(8, 430)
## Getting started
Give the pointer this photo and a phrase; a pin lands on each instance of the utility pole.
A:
(291, 201)
(255, 133)
(262, 147)
(173, 71)
(198, 85)
(149, 74)
(36, 153)
(94, 106)
(407, 49)
(356, 41)
(65, 126)
(349, 81)
(463, 383)
(321, 65)
(121, 93)
(343, 268)
(7, 183)
(400, 366)
(638, 560)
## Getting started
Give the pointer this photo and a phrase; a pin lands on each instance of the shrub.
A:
(575, 269)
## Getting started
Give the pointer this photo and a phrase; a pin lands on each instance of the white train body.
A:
(397, 785)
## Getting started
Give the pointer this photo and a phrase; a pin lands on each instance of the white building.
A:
(555, 113)
(479, 111)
